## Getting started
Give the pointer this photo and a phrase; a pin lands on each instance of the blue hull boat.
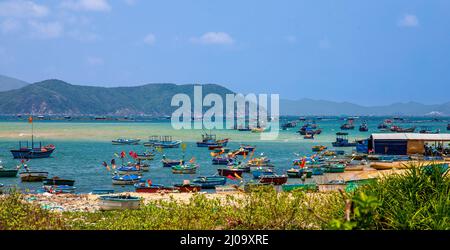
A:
(263, 172)
(210, 182)
(222, 161)
(27, 151)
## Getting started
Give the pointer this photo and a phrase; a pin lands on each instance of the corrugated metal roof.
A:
(411, 136)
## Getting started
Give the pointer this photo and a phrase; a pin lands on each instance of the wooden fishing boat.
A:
(299, 172)
(257, 130)
(118, 202)
(147, 156)
(309, 136)
(56, 181)
(8, 173)
(59, 189)
(33, 176)
(167, 163)
(26, 151)
(187, 188)
(210, 182)
(213, 147)
(230, 172)
(274, 179)
(317, 170)
(163, 142)
(363, 127)
(125, 179)
(144, 187)
(211, 140)
(262, 171)
(342, 140)
(226, 189)
(129, 170)
(260, 167)
(222, 160)
(185, 169)
(301, 186)
(126, 141)
(402, 130)
(335, 168)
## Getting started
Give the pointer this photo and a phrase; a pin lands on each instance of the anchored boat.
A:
(125, 141)
(33, 176)
(56, 181)
(210, 182)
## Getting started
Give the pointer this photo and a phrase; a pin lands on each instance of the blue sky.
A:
(366, 52)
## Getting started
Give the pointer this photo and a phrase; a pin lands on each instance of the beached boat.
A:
(354, 168)
(233, 172)
(190, 168)
(56, 181)
(7, 173)
(27, 151)
(126, 141)
(125, 179)
(335, 168)
(33, 176)
(148, 187)
(59, 189)
(342, 140)
(333, 185)
(187, 188)
(226, 189)
(299, 172)
(317, 170)
(300, 186)
(210, 182)
(274, 179)
(118, 202)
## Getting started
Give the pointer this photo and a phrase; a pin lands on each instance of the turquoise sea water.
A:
(83, 146)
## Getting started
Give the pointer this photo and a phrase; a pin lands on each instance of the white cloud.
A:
(408, 20)
(83, 36)
(22, 9)
(86, 5)
(213, 38)
(150, 39)
(324, 44)
(94, 61)
(46, 30)
(9, 25)
(130, 2)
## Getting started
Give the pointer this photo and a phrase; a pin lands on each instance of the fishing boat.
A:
(56, 181)
(168, 163)
(300, 186)
(59, 189)
(342, 140)
(163, 142)
(213, 147)
(222, 160)
(348, 125)
(354, 168)
(335, 168)
(7, 173)
(257, 130)
(309, 136)
(363, 127)
(33, 176)
(448, 126)
(27, 151)
(210, 182)
(118, 202)
(146, 156)
(262, 171)
(402, 130)
(125, 141)
(299, 172)
(230, 172)
(318, 148)
(427, 130)
(274, 179)
(219, 151)
(317, 171)
(187, 187)
(129, 170)
(149, 187)
(190, 168)
(125, 179)
(211, 140)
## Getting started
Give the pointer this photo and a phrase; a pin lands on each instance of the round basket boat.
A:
(119, 202)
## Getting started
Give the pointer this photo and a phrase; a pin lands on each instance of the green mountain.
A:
(58, 97)
(9, 83)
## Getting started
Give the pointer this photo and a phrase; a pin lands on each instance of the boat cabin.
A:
(407, 143)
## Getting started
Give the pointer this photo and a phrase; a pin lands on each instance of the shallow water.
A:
(83, 146)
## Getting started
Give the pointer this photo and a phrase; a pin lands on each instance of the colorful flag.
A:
(192, 160)
(123, 154)
(149, 182)
(116, 155)
(30, 119)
